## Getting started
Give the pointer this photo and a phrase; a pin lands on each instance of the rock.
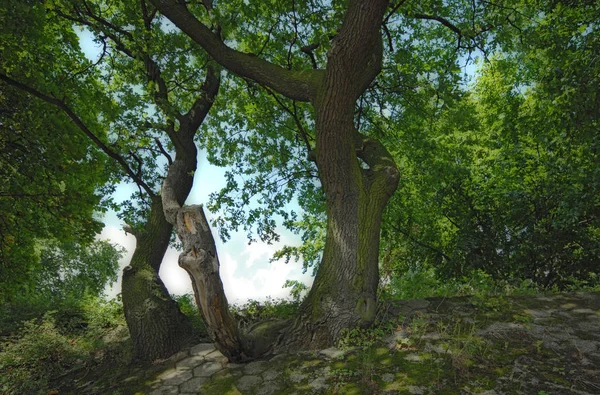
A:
(178, 356)
(416, 390)
(217, 357)
(279, 358)
(271, 388)
(255, 367)
(332, 353)
(318, 384)
(193, 385)
(413, 358)
(207, 369)
(165, 390)
(271, 374)
(246, 383)
(190, 362)
(202, 349)
(296, 377)
(387, 377)
(176, 377)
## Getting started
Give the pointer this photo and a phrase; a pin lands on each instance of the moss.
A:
(350, 389)
(221, 385)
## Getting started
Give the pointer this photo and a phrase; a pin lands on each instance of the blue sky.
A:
(245, 269)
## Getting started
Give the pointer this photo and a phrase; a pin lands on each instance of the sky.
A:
(246, 270)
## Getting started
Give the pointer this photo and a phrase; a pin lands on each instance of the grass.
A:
(442, 349)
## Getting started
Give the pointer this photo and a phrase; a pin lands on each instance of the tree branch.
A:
(309, 51)
(294, 116)
(163, 151)
(301, 86)
(204, 102)
(422, 244)
(83, 127)
(441, 20)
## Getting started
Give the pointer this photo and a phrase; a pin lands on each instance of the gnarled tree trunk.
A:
(199, 258)
(344, 293)
(157, 327)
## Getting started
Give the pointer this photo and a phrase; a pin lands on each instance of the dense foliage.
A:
(489, 110)
(504, 179)
(74, 336)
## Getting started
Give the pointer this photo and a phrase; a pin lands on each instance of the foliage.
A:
(297, 289)
(65, 271)
(364, 338)
(254, 311)
(187, 305)
(51, 189)
(504, 178)
(63, 340)
(500, 181)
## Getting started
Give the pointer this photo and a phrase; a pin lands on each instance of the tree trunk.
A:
(199, 258)
(344, 293)
(157, 327)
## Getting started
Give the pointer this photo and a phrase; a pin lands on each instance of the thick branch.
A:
(83, 127)
(441, 20)
(301, 86)
(204, 102)
(380, 161)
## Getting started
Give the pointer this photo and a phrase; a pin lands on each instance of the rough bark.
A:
(157, 327)
(199, 257)
(344, 292)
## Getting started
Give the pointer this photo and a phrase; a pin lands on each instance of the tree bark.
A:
(199, 257)
(344, 293)
(157, 327)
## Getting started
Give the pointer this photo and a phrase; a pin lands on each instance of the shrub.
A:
(40, 350)
(254, 310)
(187, 305)
(40, 353)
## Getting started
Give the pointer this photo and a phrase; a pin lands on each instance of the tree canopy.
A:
(447, 135)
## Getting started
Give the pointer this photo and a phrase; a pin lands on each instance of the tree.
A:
(355, 197)
(51, 189)
(356, 171)
(497, 183)
(157, 327)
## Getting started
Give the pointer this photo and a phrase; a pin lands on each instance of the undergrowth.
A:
(72, 336)
(417, 284)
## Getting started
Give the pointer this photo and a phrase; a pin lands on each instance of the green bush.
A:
(39, 353)
(254, 310)
(35, 352)
(187, 305)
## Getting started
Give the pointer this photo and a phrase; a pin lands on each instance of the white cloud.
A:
(259, 277)
(175, 278)
(245, 269)
(117, 235)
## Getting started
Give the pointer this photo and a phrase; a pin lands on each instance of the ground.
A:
(538, 344)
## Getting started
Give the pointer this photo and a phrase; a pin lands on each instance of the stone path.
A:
(526, 345)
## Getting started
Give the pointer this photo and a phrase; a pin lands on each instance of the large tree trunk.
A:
(157, 327)
(358, 176)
